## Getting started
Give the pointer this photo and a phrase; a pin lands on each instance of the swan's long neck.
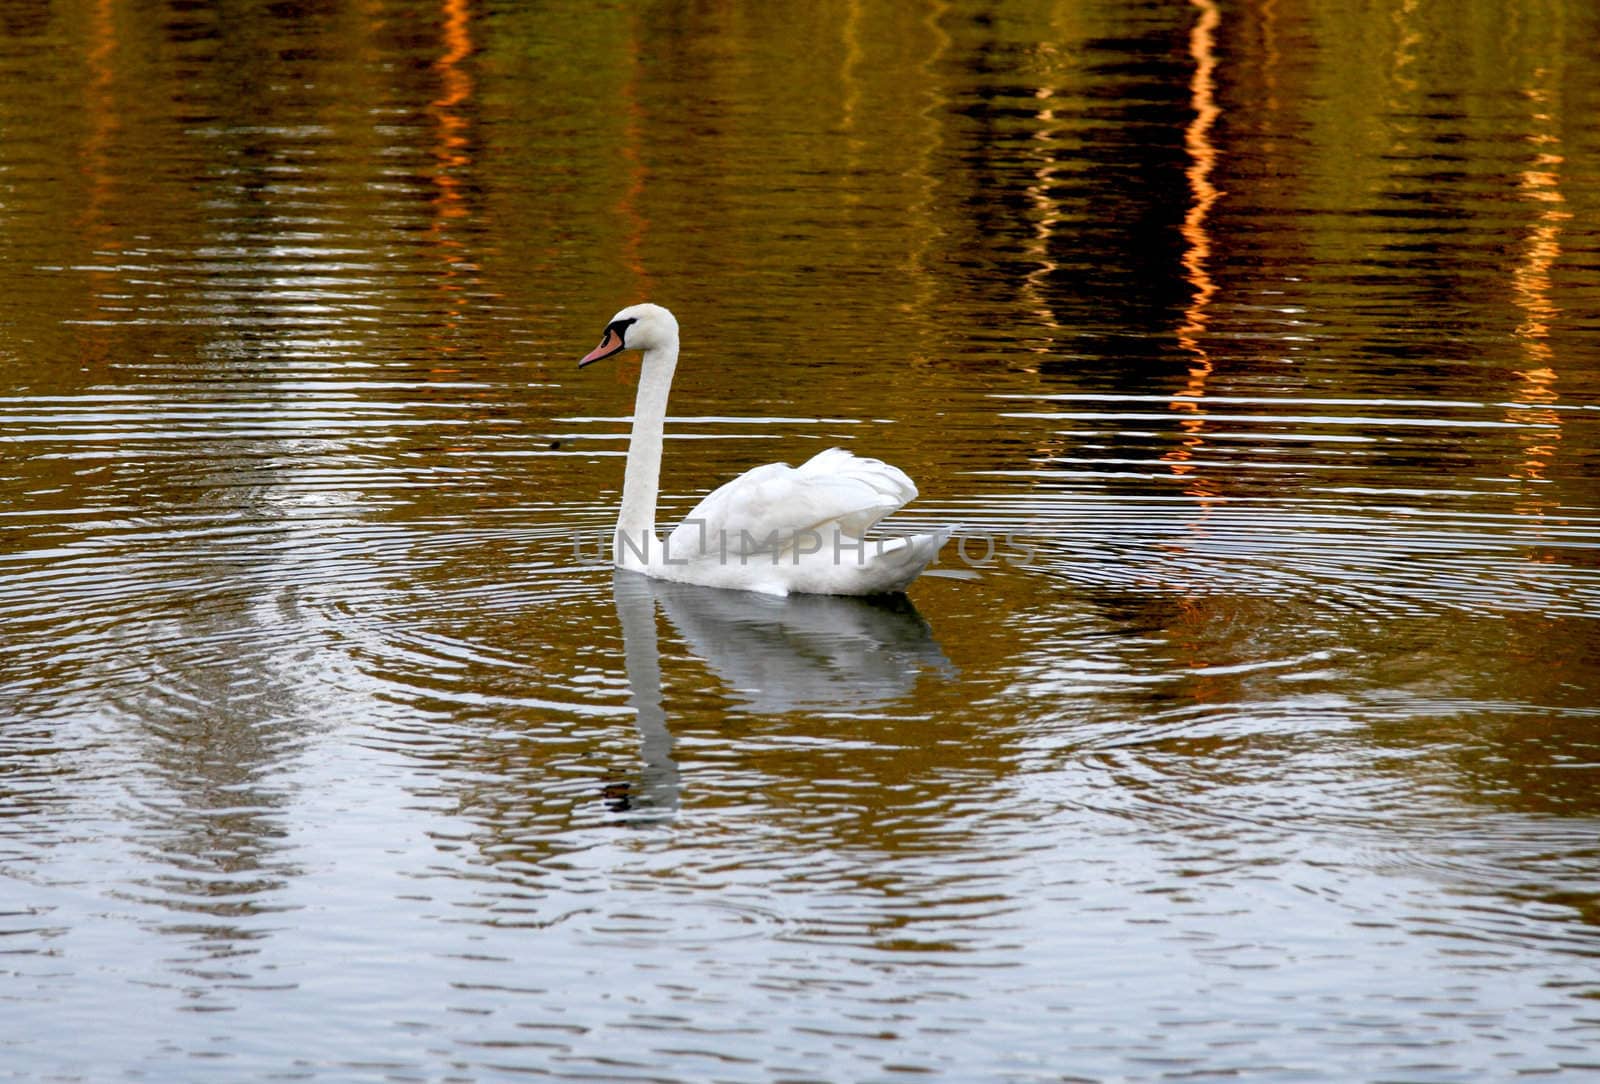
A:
(636, 543)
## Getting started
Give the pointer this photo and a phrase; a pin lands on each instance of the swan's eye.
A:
(620, 327)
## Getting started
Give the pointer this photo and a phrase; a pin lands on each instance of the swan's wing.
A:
(873, 483)
(769, 507)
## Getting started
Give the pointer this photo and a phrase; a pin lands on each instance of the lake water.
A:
(1248, 729)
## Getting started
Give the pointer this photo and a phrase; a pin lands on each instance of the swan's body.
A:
(775, 528)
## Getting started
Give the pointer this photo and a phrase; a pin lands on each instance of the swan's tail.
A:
(906, 563)
(871, 566)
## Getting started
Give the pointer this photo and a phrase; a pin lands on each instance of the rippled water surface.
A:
(1249, 728)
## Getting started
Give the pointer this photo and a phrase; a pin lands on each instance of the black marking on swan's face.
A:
(613, 341)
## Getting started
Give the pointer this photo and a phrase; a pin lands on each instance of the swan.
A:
(775, 529)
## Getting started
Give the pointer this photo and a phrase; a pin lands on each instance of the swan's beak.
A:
(610, 343)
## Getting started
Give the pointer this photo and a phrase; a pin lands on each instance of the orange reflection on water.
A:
(1270, 54)
(1197, 243)
(1535, 393)
(452, 151)
(1530, 280)
(98, 238)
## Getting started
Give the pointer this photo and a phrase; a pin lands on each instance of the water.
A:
(1248, 728)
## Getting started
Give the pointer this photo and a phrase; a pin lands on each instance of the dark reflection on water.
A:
(1247, 729)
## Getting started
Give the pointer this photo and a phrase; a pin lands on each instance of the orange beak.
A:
(610, 343)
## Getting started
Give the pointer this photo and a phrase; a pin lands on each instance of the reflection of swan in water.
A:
(775, 654)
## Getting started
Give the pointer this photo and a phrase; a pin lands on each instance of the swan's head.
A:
(637, 327)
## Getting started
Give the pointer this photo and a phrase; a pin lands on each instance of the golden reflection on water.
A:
(1203, 194)
(1050, 136)
(1539, 184)
(452, 153)
(1046, 213)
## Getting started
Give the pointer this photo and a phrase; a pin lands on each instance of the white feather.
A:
(776, 506)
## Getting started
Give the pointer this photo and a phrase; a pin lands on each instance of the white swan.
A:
(776, 529)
